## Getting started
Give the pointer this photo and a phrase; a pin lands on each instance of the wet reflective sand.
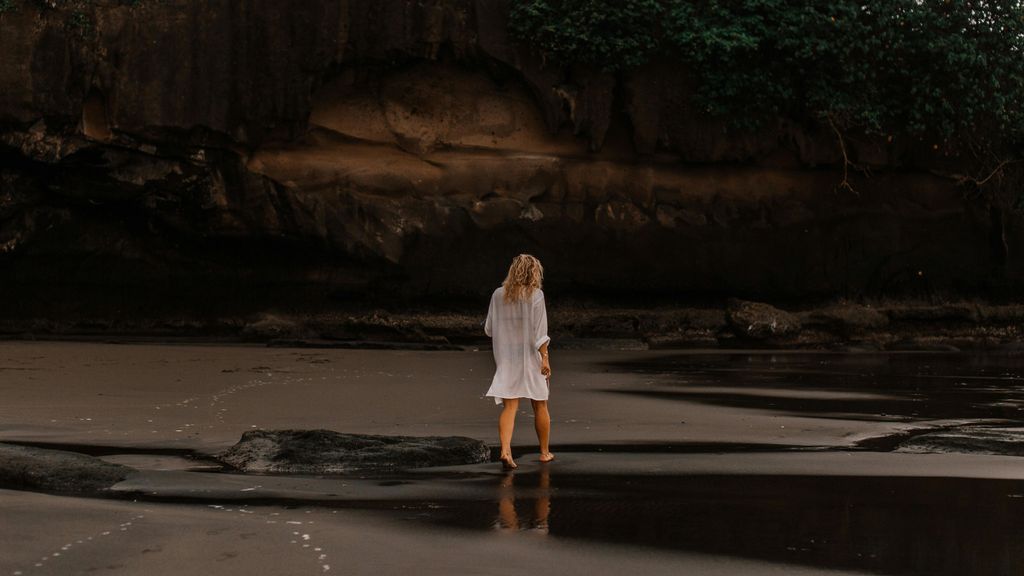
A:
(746, 463)
(882, 524)
(869, 386)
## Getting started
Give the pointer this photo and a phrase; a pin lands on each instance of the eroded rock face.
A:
(969, 439)
(760, 321)
(189, 159)
(43, 470)
(328, 452)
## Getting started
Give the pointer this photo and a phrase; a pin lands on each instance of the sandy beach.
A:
(715, 463)
(203, 397)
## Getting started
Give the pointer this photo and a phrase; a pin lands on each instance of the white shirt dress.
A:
(517, 330)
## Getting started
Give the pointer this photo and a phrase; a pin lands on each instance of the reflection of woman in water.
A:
(517, 322)
(509, 520)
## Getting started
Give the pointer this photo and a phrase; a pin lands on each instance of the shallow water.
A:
(892, 525)
(887, 525)
(923, 386)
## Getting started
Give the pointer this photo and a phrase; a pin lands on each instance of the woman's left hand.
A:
(545, 367)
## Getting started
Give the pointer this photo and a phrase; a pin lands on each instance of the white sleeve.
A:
(490, 314)
(540, 321)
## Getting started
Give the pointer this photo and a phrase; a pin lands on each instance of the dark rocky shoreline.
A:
(881, 326)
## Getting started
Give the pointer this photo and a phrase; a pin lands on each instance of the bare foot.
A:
(546, 457)
(507, 463)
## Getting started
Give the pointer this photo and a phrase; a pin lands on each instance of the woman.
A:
(518, 325)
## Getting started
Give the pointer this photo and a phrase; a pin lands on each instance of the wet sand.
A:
(714, 463)
(88, 536)
(204, 397)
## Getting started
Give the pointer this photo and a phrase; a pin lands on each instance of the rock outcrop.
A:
(760, 321)
(969, 439)
(328, 452)
(44, 470)
(196, 159)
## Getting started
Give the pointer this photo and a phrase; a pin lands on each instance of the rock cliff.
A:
(195, 157)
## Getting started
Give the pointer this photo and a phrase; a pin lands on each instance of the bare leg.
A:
(542, 423)
(543, 507)
(507, 517)
(506, 424)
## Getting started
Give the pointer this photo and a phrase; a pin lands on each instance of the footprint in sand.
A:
(294, 536)
(72, 546)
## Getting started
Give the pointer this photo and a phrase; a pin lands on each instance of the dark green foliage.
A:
(602, 33)
(6, 6)
(939, 67)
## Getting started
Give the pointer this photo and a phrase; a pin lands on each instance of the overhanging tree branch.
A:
(844, 184)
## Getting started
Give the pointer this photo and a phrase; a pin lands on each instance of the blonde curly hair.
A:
(524, 276)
